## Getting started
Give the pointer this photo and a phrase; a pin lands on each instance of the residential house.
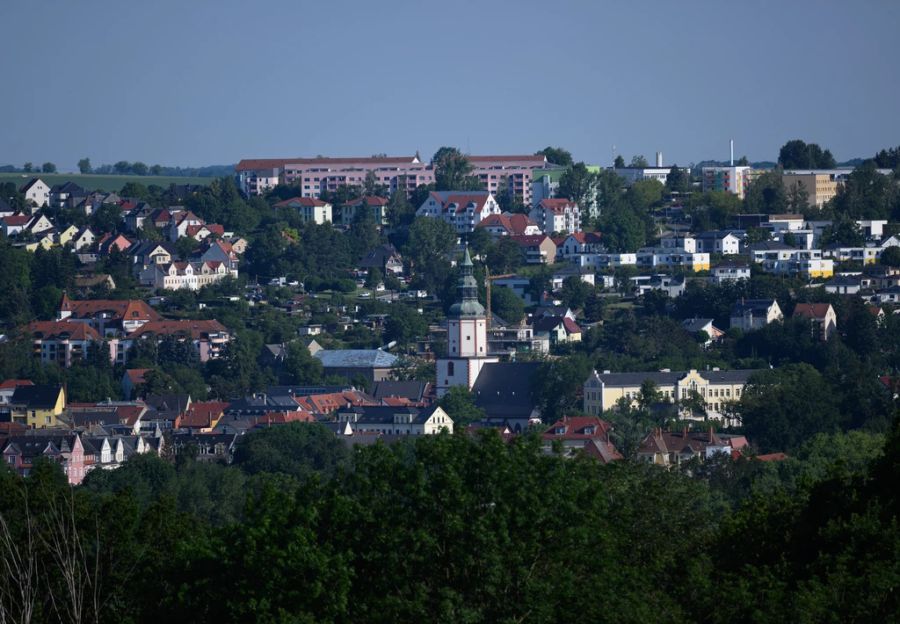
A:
(672, 448)
(579, 243)
(844, 284)
(14, 224)
(376, 206)
(110, 317)
(557, 329)
(202, 416)
(35, 406)
(66, 342)
(409, 393)
(696, 325)
(673, 258)
(8, 387)
(110, 243)
(82, 239)
(821, 316)
(207, 447)
(310, 209)
(557, 215)
(219, 251)
(671, 285)
(184, 275)
(207, 337)
(509, 224)
(36, 192)
(132, 380)
(464, 210)
(575, 433)
(390, 420)
(85, 284)
(539, 249)
(20, 453)
(781, 259)
(723, 242)
(385, 258)
(66, 195)
(730, 272)
(179, 223)
(751, 314)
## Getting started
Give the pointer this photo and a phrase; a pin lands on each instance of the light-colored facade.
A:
(735, 180)
(388, 420)
(730, 272)
(464, 210)
(310, 209)
(36, 192)
(718, 389)
(557, 216)
(467, 341)
(672, 258)
(753, 314)
(785, 260)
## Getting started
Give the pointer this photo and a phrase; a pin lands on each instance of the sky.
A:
(201, 82)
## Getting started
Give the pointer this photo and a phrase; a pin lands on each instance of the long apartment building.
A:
(314, 176)
(821, 185)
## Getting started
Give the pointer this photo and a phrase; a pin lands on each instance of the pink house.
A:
(20, 453)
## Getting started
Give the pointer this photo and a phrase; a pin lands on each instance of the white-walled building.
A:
(467, 340)
(36, 192)
(557, 215)
(464, 210)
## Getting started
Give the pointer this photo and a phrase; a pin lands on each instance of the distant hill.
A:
(208, 171)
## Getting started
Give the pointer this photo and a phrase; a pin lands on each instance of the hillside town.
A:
(385, 297)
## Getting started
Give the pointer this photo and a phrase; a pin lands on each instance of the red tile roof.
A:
(812, 310)
(370, 200)
(72, 330)
(557, 206)
(120, 309)
(203, 414)
(136, 375)
(514, 224)
(195, 328)
(15, 383)
(772, 457)
(577, 428)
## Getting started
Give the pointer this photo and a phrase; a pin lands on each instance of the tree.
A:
(623, 229)
(459, 403)
(156, 170)
(507, 305)
(619, 162)
(300, 367)
(782, 408)
(678, 180)
(400, 212)
(372, 187)
(27, 167)
(639, 162)
(428, 247)
(797, 198)
(766, 195)
(139, 168)
(556, 156)
(649, 395)
(301, 450)
(48, 167)
(404, 324)
(575, 292)
(843, 231)
(578, 185)
(452, 171)
(890, 257)
(122, 167)
(504, 256)
(84, 165)
(374, 277)
(797, 154)
(558, 385)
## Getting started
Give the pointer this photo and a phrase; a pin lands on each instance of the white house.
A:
(730, 272)
(36, 192)
(557, 215)
(388, 420)
(310, 209)
(753, 314)
(719, 242)
(464, 210)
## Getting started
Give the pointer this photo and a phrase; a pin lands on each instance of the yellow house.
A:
(45, 241)
(37, 407)
(716, 388)
(67, 234)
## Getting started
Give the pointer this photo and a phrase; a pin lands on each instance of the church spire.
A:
(468, 304)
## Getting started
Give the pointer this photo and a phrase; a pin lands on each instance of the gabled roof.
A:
(71, 330)
(459, 201)
(503, 389)
(370, 200)
(514, 224)
(816, 311)
(557, 206)
(301, 201)
(27, 186)
(413, 390)
(196, 328)
(752, 305)
(577, 428)
(15, 383)
(120, 309)
(40, 397)
(531, 239)
(203, 414)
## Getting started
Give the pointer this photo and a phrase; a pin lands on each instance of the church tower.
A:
(467, 344)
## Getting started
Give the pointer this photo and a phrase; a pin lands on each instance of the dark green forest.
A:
(453, 528)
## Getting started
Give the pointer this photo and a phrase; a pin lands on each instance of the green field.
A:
(92, 182)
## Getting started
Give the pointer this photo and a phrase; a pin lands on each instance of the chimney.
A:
(732, 152)
(659, 162)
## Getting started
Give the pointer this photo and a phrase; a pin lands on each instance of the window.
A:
(450, 368)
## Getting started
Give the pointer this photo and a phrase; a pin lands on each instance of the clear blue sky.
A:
(193, 82)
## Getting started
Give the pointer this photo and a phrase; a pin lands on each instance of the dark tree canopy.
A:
(797, 154)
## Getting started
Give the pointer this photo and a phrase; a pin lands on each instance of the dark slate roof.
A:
(36, 396)
(68, 187)
(503, 389)
(751, 305)
(412, 390)
(378, 257)
(384, 415)
(671, 378)
(4, 207)
(356, 358)
(303, 391)
(695, 325)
